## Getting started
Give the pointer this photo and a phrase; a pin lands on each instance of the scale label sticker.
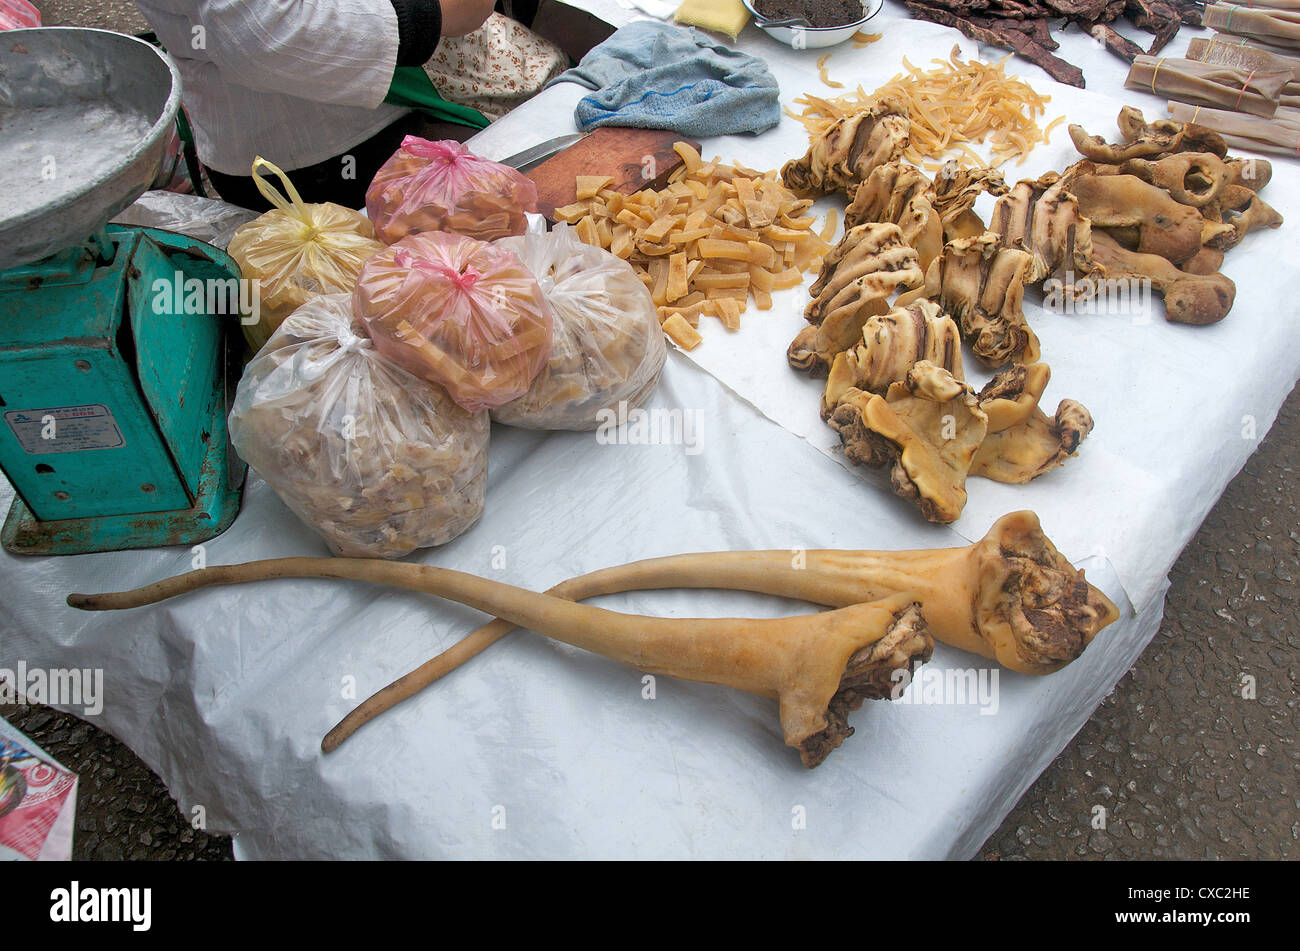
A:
(65, 429)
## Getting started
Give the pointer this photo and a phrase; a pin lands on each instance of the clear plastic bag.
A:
(297, 251)
(606, 346)
(376, 461)
(205, 219)
(463, 313)
(443, 186)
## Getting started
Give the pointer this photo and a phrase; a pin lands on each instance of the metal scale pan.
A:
(112, 396)
(84, 123)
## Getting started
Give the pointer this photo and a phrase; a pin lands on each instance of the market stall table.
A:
(539, 750)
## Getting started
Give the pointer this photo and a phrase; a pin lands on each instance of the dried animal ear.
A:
(849, 150)
(869, 265)
(928, 428)
(1095, 148)
(1022, 442)
(982, 285)
(891, 345)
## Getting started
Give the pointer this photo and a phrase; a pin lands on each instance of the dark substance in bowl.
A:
(819, 13)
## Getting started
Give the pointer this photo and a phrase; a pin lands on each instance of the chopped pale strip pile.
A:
(861, 39)
(956, 103)
(714, 236)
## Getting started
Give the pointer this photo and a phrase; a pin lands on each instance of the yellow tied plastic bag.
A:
(297, 252)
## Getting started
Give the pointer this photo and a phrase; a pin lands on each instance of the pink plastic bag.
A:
(443, 186)
(462, 313)
(18, 15)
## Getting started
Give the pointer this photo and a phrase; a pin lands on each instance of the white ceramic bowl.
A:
(809, 37)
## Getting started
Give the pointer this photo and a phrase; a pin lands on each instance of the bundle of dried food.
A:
(870, 265)
(845, 153)
(443, 186)
(956, 103)
(1278, 28)
(1205, 84)
(374, 460)
(1236, 54)
(606, 347)
(296, 252)
(1279, 135)
(459, 312)
(713, 237)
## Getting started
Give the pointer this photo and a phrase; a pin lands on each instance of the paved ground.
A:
(1184, 766)
(103, 14)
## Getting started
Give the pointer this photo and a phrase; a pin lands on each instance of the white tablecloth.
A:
(538, 750)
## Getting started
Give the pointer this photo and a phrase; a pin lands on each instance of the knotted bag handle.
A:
(269, 191)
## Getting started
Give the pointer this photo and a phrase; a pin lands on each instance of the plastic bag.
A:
(376, 461)
(462, 313)
(204, 219)
(18, 15)
(297, 251)
(606, 346)
(443, 186)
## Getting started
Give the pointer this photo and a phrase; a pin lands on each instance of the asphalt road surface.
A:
(1175, 764)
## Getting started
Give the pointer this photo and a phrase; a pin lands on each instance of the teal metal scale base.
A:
(114, 378)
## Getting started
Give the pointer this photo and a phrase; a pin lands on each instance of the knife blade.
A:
(522, 161)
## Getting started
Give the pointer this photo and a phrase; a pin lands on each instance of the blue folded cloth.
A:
(655, 76)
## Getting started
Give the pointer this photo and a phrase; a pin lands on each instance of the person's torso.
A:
(315, 111)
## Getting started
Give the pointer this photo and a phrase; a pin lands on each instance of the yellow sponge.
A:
(721, 16)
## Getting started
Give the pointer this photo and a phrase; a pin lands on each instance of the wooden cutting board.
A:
(634, 158)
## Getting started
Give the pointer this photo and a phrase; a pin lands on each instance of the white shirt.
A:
(291, 80)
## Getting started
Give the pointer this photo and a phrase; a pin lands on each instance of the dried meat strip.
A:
(981, 29)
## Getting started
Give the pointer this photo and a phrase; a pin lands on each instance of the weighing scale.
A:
(114, 370)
